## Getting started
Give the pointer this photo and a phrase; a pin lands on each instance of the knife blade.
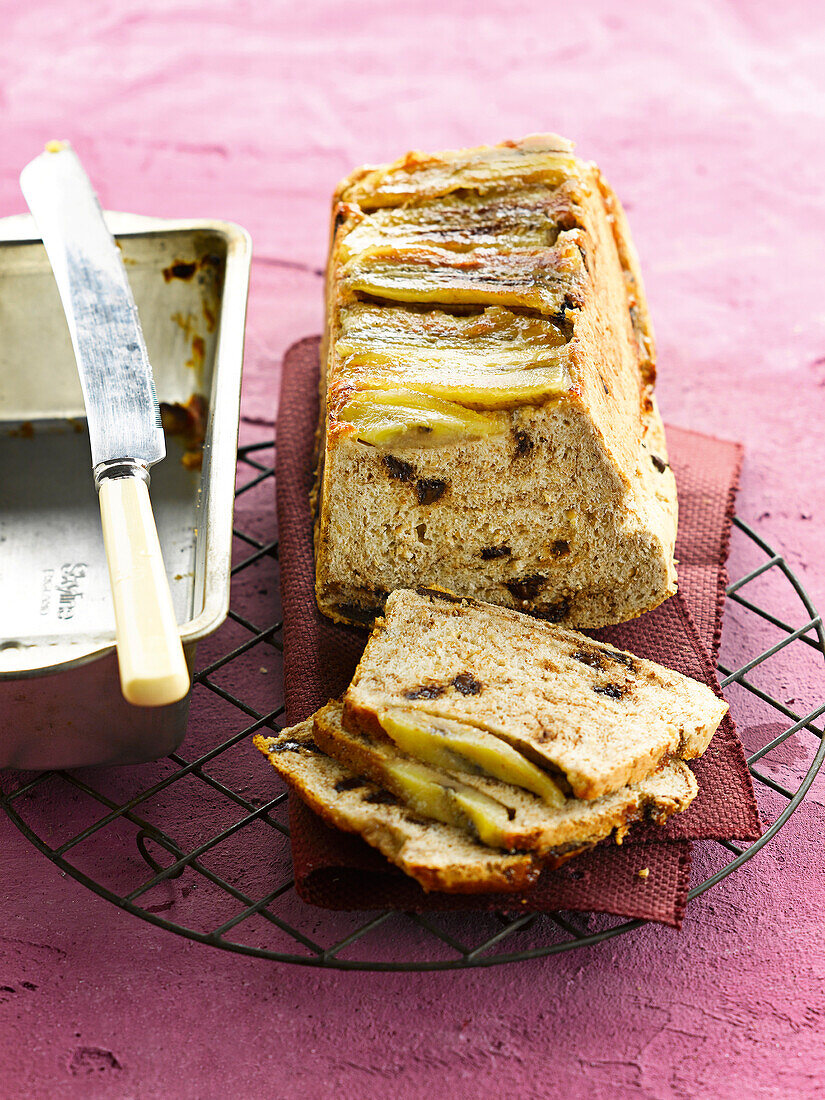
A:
(125, 430)
(115, 373)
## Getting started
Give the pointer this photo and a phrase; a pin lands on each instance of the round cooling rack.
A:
(198, 844)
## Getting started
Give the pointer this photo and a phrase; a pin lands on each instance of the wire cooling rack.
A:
(198, 843)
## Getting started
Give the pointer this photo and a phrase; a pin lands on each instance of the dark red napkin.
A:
(705, 468)
(340, 871)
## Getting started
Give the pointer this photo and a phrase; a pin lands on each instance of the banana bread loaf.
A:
(488, 420)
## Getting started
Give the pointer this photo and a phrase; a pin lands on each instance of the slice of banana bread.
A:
(438, 856)
(593, 717)
(498, 813)
(488, 421)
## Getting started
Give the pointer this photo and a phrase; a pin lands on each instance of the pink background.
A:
(708, 119)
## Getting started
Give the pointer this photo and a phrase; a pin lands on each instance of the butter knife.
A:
(125, 431)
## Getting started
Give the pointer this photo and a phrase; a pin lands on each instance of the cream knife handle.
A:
(153, 668)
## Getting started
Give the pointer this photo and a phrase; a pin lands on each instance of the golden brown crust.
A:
(634, 284)
(603, 345)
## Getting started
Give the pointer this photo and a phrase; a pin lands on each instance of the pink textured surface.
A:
(707, 118)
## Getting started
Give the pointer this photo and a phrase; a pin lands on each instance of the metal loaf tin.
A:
(60, 700)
